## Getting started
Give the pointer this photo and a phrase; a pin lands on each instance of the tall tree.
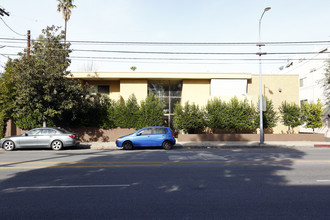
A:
(44, 90)
(65, 6)
(7, 96)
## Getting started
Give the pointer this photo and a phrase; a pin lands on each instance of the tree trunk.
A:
(65, 27)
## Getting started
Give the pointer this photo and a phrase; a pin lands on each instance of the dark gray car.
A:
(54, 138)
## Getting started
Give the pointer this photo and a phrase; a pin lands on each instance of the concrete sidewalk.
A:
(224, 145)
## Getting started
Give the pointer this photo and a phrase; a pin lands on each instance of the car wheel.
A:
(56, 145)
(8, 145)
(167, 145)
(127, 145)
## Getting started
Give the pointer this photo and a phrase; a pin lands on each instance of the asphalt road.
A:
(158, 184)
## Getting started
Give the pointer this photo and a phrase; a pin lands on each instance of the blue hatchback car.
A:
(148, 137)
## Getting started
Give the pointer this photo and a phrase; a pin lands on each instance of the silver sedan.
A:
(54, 138)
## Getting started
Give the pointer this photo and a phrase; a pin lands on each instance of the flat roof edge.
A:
(159, 75)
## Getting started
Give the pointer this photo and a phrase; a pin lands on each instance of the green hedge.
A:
(238, 115)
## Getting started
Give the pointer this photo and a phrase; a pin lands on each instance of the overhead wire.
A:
(143, 43)
(186, 53)
(11, 28)
(76, 47)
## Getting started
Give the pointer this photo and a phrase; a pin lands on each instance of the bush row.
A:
(238, 115)
(244, 116)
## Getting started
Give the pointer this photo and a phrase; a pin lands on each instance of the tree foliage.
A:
(7, 97)
(151, 112)
(312, 114)
(326, 85)
(188, 117)
(95, 113)
(241, 115)
(44, 89)
(216, 112)
(270, 116)
(290, 115)
(126, 113)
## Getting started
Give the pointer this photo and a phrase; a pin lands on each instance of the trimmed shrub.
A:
(270, 116)
(188, 118)
(291, 115)
(241, 115)
(151, 112)
(125, 114)
(216, 112)
(312, 114)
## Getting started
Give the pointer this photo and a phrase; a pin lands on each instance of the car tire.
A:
(57, 145)
(8, 145)
(167, 145)
(127, 145)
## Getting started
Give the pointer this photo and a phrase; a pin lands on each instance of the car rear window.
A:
(160, 130)
(63, 131)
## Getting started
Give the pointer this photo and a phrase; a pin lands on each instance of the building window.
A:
(99, 89)
(169, 92)
(102, 89)
(302, 82)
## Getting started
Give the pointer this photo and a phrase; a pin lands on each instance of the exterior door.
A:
(143, 138)
(44, 138)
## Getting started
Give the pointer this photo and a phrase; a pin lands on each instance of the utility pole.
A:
(28, 44)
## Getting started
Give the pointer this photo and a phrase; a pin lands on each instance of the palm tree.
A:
(65, 7)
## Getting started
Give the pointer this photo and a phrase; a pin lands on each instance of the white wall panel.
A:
(228, 87)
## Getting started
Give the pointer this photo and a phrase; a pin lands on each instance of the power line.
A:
(286, 43)
(183, 53)
(12, 29)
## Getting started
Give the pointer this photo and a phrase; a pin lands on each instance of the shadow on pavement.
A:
(153, 183)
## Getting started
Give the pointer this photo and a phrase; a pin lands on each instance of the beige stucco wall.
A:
(195, 91)
(138, 87)
(278, 88)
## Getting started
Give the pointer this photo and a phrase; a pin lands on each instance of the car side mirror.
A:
(138, 134)
(26, 134)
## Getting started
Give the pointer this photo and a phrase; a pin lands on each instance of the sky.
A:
(173, 21)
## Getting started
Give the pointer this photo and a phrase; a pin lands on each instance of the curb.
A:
(215, 145)
(321, 145)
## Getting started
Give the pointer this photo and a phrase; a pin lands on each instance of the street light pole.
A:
(260, 80)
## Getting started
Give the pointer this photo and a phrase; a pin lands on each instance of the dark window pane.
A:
(168, 91)
(175, 88)
(103, 90)
(158, 87)
(160, 131)
(173, 102)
